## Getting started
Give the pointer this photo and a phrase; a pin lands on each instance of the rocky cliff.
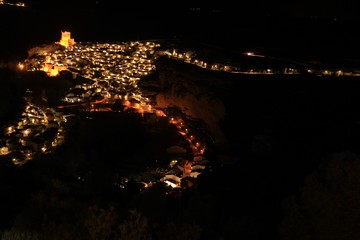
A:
(200, 93)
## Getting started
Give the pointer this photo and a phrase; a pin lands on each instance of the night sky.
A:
(297, 8)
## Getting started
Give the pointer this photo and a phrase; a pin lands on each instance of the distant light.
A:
(250, 53)
(21, 66)
(171, 184)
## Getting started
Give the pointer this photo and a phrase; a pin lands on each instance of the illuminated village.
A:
(113, 76)
(113, 71)
(16, 4)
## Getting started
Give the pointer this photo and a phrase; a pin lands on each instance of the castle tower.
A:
(66, 39)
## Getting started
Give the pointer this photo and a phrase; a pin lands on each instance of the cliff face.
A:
(195, 91)
(196, 102)
(267, 118)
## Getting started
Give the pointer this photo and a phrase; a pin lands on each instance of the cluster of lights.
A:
(139, 58)
(16, 4)
(21, 135)
(114, 70)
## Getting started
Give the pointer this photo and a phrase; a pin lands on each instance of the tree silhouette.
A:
(136, 228)
(14, 234)
(328, 206)
(100, 222)
(179, 231)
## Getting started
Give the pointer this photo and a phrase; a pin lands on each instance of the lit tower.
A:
(66, 39)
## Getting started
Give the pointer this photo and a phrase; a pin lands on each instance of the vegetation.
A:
(327, 206)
